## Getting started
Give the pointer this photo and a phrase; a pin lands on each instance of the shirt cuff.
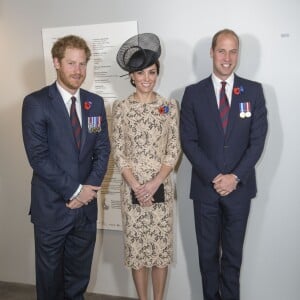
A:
(77, 192)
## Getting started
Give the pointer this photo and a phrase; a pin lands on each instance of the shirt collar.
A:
(66, 95)
(217, 81)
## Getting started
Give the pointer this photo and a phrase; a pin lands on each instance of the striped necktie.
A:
(224, 106)
(75, 122)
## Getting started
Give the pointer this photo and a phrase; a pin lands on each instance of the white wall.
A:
(270, 35)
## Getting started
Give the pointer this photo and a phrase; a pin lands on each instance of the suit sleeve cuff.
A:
(237, 179)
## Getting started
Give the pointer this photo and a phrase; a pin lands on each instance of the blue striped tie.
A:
(75, 122)
(223, 107)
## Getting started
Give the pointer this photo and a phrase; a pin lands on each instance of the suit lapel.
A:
(212, 103)
(83, 118)
(58, 104)
(234, 107)
(61, 112)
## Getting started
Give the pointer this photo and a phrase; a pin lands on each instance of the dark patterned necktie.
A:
(75, 122)
(224, 106)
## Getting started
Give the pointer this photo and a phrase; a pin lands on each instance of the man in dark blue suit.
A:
(68, 152)
(223, 132)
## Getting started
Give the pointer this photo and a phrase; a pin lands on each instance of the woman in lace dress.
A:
(146, 148)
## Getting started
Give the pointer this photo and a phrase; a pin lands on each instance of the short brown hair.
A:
(225, 32)
(69, 41)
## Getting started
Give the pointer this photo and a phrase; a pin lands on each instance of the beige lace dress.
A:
(144, 137)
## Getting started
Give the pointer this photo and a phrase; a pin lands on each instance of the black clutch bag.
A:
(159, 196)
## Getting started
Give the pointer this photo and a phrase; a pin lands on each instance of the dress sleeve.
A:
(173, 148)
(118, 139)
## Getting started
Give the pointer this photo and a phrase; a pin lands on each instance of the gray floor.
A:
(18, 291)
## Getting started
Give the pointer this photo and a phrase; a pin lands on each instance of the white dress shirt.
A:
(228, 87)
(67, 100)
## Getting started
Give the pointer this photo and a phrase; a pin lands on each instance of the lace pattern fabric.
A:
(145, 136)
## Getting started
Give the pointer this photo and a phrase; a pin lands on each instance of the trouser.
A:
(220, 228)
(64, 258)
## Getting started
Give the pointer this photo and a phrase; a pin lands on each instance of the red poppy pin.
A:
(238, 90)
(87, 105)
(163, 109)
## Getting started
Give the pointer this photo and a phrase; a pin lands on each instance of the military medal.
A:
(248, 110)
(245, 110)
(94, 124)
(242, 110)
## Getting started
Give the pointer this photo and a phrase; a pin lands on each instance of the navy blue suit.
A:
(64, 238)
(221, 221)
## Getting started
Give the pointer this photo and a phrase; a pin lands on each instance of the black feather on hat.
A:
(139, 52)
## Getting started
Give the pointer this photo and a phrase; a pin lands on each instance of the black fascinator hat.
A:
(139, 52)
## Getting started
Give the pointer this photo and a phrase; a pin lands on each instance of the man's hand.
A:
(225, 184)
(87, 194)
